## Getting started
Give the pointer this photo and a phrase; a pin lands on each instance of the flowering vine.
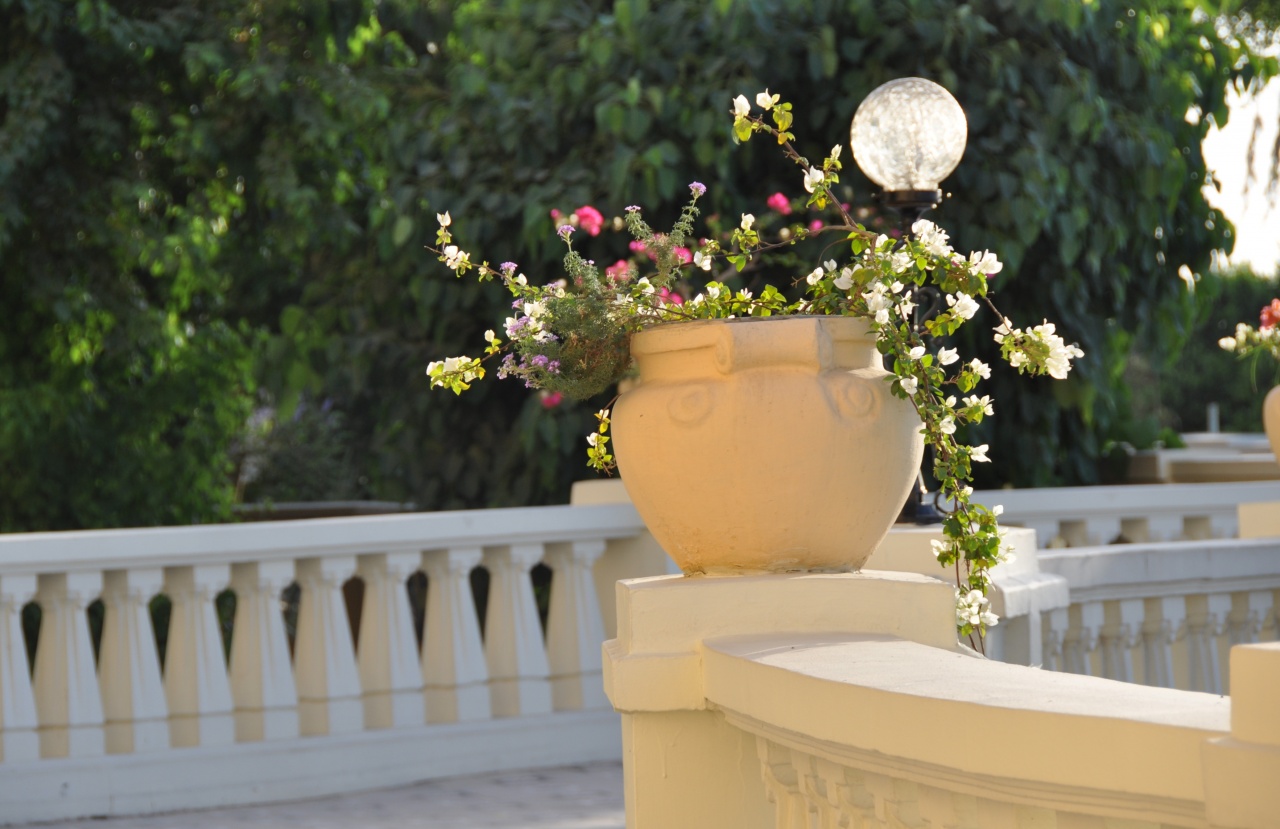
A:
(1254, 342)
(571, 336)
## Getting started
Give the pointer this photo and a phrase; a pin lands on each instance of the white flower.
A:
(909, 384)
(939, 547)
(951, 400)
(593, 439)
(980, 368)
(489, 336)
(455, 258)
(644, 285)
(744, 294)
(997, 510)
(444, 219)
(713, 291)
(603, 414)
(812, 179)
(830, 264)
(900, 260)
(881, 240)
(916, 353)
(535, 310)
(983, 403)
(896, 287)
(932, 237)
(835, 152)
(766, 101)
(947, 356)
(741, 107)
(701, 260)
(845, 281)
(948, 425)
(1227, 343)
(964, 305)
(1017, 359)
(522, 280)
(906, 306)
(985, 262)
(747, 221)
(1003, 330)
(882, 316)
(978, 454)
(814, 276)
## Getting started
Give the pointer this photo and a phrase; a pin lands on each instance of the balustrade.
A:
(1162, 614)
(257, 699)
(1151, 612)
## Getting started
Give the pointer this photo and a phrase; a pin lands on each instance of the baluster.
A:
(325, 662)
(1135, 530)
(1164, 623)
(1206, 621)
(1082, 637)
(1121, 632)
(1249, 613)
(68, 701)
(575, 631)
(390, 673)
(513, 648)
(857, 804)
(1053, 634)
(195, 665)
(782, 786)
(897, 801)
(137, 716)
(266, 699)
(453, 661)
(19, 739)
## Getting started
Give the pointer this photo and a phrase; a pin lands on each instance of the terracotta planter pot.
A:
(1271, 419)
(765, 445)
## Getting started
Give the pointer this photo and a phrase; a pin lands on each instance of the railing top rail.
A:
(1168, 568)
(1132, 500)
(60, 552)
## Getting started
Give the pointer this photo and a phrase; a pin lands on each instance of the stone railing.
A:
(1092, 516)
(823, 702)
(343, 690)
(1162, 614)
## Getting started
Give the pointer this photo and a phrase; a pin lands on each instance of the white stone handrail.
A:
(1096, 515)
(84, 734)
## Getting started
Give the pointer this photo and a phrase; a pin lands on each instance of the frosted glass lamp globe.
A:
(908, 134)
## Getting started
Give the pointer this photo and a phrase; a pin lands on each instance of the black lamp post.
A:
(907, 136)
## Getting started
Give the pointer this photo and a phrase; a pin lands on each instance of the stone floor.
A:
(571, 797)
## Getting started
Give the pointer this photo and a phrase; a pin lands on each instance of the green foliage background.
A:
(207, 204)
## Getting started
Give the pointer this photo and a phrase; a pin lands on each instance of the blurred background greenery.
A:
(212, 219)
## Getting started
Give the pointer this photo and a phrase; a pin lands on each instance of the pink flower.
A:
(815, 225)
(589, 219)
(780, 203)
(555, 214)
(551, 399)
(670, 297)
(683, 255)
(1271, 315)
(617, 272)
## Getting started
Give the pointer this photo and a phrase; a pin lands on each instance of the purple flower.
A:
(564, 231)
(633, 208)
(540, 360)
(553, 367)
(508, 268)
(697, 188)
